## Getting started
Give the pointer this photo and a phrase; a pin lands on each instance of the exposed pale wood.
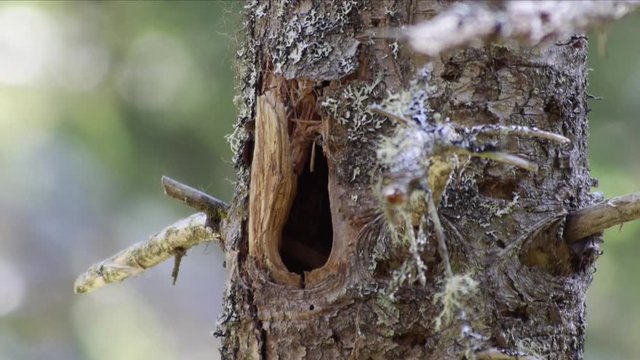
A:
(273, 187)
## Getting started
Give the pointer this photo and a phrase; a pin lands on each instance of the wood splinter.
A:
(172, 241)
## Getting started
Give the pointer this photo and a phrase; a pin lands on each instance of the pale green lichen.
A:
(508, 208)
(413, 103)
(457, 292)
(305, 39)
(236, 139)
(403, 233)
(529, 347)
(351, 110)
(387, 313)
(248, 67)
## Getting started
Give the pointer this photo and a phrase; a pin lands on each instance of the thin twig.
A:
(442, 244)
(178, 254)
(505, 158)
(527, 22)
(171, 241)
(194, 198)
(522, 131)
(598, 217)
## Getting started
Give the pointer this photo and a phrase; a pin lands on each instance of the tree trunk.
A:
(312, 260)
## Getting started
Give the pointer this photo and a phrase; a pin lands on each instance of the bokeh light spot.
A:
(12, 287)
(27, 42)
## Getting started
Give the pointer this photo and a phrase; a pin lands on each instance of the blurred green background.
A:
(99, 99)
(613, 303)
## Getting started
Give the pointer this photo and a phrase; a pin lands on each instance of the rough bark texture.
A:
(301, 291)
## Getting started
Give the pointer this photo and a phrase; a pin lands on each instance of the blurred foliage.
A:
(98, 99)
(613, 310)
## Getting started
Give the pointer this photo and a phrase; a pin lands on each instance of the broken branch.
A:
(193, 197)
(598, 217)
(527, 22)
(172, 241)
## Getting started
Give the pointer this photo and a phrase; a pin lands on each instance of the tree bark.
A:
(310, 252)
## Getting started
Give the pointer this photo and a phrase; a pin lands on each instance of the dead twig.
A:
(171, 241)
(601, 216)
(179, 253)
(195, 198)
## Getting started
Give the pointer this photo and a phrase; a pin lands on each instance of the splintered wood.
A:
(273, 187)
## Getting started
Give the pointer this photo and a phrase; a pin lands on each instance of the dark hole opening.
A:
(308, 234)
(498, 188)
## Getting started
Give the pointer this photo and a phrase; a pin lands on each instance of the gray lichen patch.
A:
(304, 45)
(349, 106)
(248, 71)
(412, 103)
(456, 293)
(354, 129)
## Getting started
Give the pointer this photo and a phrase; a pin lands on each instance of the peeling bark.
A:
(298, 291)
